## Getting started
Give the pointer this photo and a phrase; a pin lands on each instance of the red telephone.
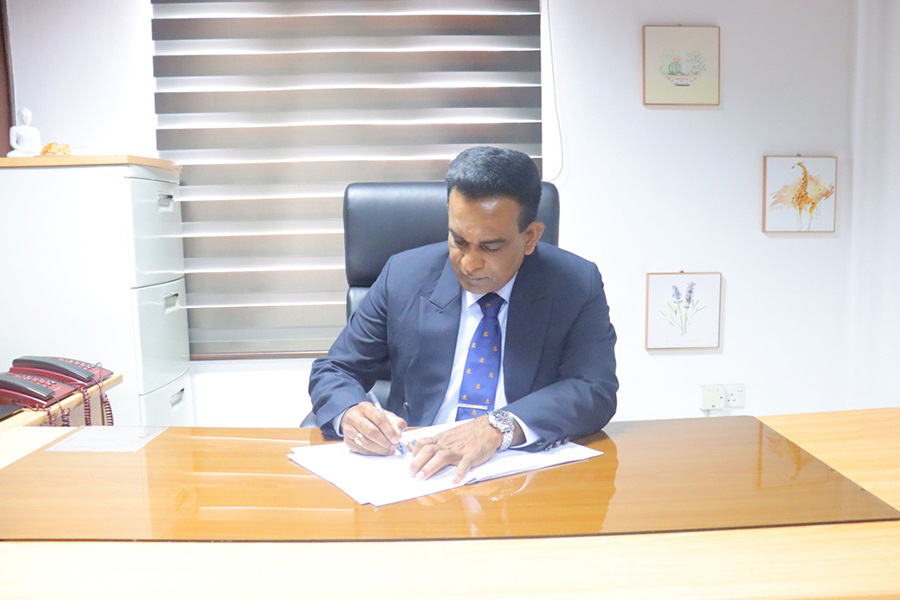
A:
(37, 382)
(33, 392)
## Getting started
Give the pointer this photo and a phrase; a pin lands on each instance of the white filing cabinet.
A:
(92, 268)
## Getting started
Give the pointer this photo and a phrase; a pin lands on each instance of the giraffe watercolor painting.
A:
(799, 193)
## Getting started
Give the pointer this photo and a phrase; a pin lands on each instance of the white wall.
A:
(875, 281)
(669, 189)
(85, 69)
(808, 320)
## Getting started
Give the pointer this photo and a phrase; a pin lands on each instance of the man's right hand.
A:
(368, 430)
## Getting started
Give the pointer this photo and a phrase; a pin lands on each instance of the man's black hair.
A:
(486, 171)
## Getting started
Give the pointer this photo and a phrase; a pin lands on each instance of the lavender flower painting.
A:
(683, 310)
(680, 311)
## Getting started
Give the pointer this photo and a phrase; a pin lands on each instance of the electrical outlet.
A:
(713, 397)
(735, 395)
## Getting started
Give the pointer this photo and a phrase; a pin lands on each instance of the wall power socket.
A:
(735, 395)
(713, 397)
(719, 396)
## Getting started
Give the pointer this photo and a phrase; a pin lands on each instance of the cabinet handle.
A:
(170, 301)
(166, 202)
(176, 398)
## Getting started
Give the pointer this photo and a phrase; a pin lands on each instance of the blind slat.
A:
(349, 118)
(263, 299)
(266, 190)
(236, 283)
(358, 45)
(323, 141)
(344, 62)
(337, 171)
(310, 28)
(292, 211)
(265, 247)
(350, 81)
(311, 100)
(253, 264)
(253, 228)
(278, 8)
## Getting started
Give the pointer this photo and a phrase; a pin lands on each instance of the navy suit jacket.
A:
(559, 362)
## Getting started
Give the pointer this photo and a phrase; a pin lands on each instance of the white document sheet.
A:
(107, 439)
(380, 480)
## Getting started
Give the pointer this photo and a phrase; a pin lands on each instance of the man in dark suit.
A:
(538, 312)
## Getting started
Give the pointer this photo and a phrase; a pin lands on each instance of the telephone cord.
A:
(104, 399)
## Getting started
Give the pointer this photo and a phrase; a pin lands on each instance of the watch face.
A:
(501, 419)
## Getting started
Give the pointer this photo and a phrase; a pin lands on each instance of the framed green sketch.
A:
(681, 65)
(799, 193)
(683, 310)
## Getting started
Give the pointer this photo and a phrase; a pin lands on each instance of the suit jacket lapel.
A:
(526, 328)
(438, 329)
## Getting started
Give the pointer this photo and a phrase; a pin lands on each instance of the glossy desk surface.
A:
(237, 484)
(846, 560)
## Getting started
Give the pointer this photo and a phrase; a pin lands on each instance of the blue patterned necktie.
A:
(479, 381)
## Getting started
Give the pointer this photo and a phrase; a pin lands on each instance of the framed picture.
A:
(799, 193)
(683, 310)
(681, 65)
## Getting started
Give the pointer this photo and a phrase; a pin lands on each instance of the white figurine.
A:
(24, 139)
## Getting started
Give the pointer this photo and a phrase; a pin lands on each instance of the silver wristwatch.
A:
(503, 422)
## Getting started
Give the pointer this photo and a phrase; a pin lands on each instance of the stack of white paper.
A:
(381, 480)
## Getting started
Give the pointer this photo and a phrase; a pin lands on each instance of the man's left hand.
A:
(465, 446)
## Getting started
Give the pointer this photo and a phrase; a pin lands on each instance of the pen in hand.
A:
(402, 449)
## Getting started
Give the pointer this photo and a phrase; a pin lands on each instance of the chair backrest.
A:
(382, 219)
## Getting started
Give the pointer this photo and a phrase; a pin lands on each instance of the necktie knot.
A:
(490, 305)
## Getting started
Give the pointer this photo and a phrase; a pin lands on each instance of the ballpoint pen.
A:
(402, 448)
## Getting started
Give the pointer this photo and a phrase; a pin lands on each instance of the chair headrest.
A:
(382, 219)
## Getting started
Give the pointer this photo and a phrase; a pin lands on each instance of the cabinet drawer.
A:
(156, 219)
(171, 405)
(162, 334)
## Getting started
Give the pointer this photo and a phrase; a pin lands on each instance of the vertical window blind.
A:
(273, 107)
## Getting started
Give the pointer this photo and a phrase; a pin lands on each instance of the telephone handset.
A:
(33, 392)
(61, 369)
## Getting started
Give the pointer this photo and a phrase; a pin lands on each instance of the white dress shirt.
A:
(469, 318)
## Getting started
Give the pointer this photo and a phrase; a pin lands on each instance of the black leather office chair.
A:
(382, 219)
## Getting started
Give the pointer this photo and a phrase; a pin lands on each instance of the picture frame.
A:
(799, 194)
(683, 310)
(681, 65)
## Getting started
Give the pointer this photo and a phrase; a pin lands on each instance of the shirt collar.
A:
(505, 292)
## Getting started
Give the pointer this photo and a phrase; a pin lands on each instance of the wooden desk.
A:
(846, 560)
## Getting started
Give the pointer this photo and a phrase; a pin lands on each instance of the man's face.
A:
(486, 246)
